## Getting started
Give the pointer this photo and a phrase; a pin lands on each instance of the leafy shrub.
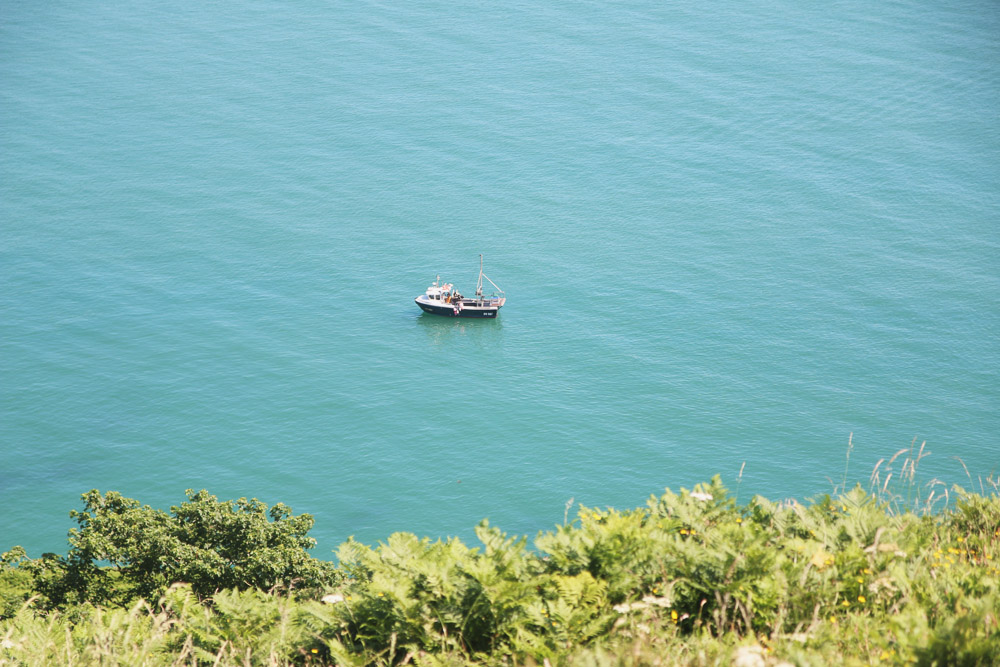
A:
(690, 578)
(122, 551)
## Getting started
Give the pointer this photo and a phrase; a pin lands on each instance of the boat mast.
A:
(479, 285)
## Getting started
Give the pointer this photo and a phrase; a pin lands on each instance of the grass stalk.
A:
(847, 463)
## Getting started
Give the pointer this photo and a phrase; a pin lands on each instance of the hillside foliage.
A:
(692, 577)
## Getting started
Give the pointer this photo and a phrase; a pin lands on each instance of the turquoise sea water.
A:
(728, 234)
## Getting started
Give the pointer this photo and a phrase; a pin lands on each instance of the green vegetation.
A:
(122, 552)
(691, 578)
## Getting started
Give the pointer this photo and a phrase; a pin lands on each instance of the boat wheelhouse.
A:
(443, 299)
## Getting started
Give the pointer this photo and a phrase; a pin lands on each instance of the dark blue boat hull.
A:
(447, 310)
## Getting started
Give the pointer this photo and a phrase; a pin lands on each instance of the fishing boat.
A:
(443, 299)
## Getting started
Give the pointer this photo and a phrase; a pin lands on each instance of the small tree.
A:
(122, 550)
(16, 582)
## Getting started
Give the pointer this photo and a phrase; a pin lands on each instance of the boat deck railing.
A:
(483, 302)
